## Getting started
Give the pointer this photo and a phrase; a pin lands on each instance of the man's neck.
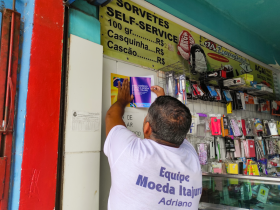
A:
(166, 143)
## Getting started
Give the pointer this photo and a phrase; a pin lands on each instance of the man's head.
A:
(169, 120)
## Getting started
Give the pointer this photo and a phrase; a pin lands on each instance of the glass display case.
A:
(224, 191)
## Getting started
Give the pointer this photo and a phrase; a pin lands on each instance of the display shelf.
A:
(224, 191)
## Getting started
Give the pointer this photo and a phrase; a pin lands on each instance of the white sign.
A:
(85, 121)
(134, 122)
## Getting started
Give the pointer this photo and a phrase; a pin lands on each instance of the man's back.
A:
(148, 175)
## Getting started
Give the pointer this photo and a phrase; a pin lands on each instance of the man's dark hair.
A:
(169, 119)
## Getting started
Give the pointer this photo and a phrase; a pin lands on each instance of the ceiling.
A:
(252, 26)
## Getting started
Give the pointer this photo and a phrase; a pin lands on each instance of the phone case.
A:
(224, 126)
(219, 97)
(237, 152)
(244, 127)
(251, 148)
(278, 127)
(202, 153)
(232, 168)
(272, 128)
(227, 95)
(215, 126)
(212, 149)
(235, 128)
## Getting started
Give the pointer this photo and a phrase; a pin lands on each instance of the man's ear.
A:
(147, 130)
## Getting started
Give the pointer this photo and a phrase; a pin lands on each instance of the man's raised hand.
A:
(159, 91)
(124, 96)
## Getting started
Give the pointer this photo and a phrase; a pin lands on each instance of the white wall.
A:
(81, 164)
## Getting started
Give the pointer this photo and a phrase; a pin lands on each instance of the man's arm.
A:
(115, 113)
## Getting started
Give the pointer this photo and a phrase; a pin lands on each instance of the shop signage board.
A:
(135, 34)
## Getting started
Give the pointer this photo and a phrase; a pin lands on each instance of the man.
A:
(161, 171)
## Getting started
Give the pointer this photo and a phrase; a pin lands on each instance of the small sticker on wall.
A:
(85, 121)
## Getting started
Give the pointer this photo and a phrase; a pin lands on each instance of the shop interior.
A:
(235, 119)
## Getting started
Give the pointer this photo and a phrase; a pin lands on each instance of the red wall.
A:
(39, 164)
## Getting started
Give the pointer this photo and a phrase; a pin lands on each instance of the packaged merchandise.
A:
(227, 95)
(237, 146)
(202, 153)
(180, 89)
(272, 128)
(224, 126)
(278, 127)
(235, 127)
(195, 122)
(170, 86)
(258, 125)
(266, 130)
(212, 149)
(275, 108)
(216, 167)
(232, 168)
(215, 126)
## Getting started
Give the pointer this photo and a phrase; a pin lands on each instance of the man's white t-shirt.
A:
(147, 175)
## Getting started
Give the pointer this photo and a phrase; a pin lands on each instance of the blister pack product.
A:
(224, 126)
(249, 128)
(242, 149)
(197, 91)
(219, 96)
(180, 89)
(239, 122)
(242, 97)
(207, 124)
(237, 146)
(259, 149)
(212, 91)
(250, 144)
(229, 144)
(258, 125)
(227, 95)
(215, 126)
(273, 128)
(232, 168)
(235, 127)
(278, 127)
(170, 87)
(202, 153)
(238, 101)
(195, 122)
(266, 130)
(212, 149)
(229, 108)
(216, 167)
(243, 122)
